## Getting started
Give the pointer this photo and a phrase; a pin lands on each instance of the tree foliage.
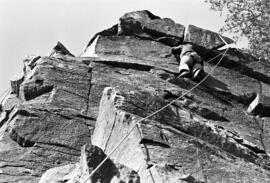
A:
(248, 18)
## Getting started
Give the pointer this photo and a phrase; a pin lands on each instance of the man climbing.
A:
(191, 64)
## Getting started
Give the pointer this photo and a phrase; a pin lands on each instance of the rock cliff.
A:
(63, 113)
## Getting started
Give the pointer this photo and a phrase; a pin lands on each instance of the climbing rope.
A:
(154, 113)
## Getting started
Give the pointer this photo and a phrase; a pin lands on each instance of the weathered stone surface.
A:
(164, 151)
(134, 52)
(145, 24)
(205, 136)
(222, 97)
(205, 39)
(10, 102)
(45, 128)
(91, 156)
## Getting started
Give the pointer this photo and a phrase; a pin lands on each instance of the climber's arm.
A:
(176, 50)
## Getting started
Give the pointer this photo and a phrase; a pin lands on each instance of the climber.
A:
(191, 64)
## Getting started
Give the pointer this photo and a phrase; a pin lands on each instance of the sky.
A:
(34, 26)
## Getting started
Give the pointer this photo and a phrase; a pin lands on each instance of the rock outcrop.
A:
(219, 132)
(91, 156)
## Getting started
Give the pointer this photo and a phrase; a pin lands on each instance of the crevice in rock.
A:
(244, 99)
(68, 116)
(201, 111)
(23, 112)
(85, 117)
(226, 96)
(58, 145)
(20, 140)
(31, 92)
(73, 93)
(39, 81)
(160, 37)
(65, 116)
(187, 85)
(239, 67)
(149, 166)
(255, 149)
(154, 143)
(210, 115)
(126, 65)
(166, 95)
(64, 151)
(89, 93)
(6, 117)
(190, 179)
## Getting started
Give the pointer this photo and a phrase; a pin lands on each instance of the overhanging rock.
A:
(147, 25)
(207, 40)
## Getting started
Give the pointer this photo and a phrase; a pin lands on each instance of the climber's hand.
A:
(173, 51)
(176, 50)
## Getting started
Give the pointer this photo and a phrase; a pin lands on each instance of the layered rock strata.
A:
(217, 133)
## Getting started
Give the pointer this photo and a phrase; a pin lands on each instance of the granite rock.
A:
(126, 73)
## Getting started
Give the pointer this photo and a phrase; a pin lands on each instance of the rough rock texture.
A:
(146, 25)
(90, 158)
(45, 126)
(173, 144)
(62, 102)
(206, 39)
(59, 48)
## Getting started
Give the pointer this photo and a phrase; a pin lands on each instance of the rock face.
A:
(219, 132)
(206, 39)
(46, 124)
(91, 156)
